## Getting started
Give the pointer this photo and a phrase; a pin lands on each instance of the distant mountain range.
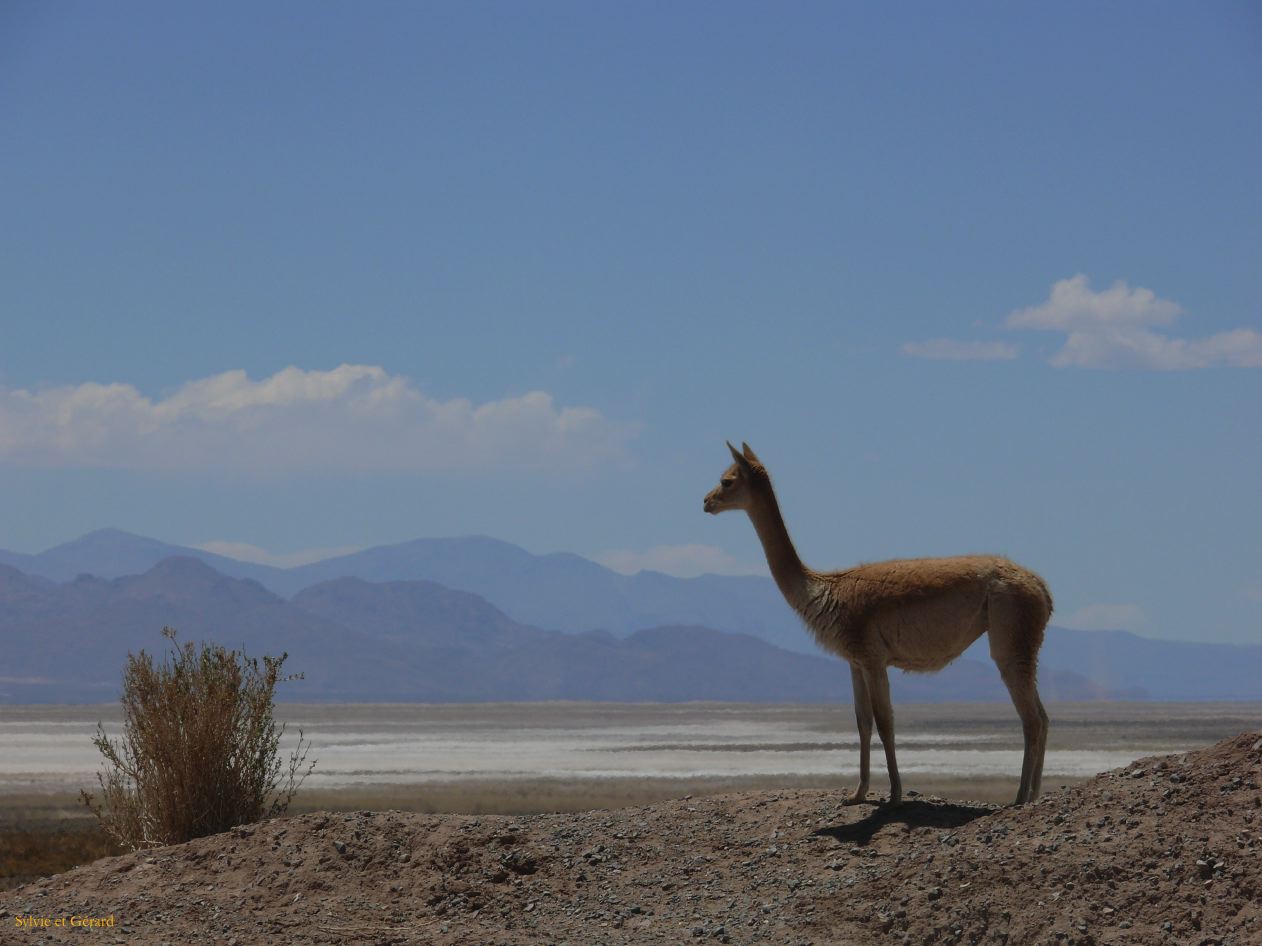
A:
(560, 591)
(405, 641)
(354, 640)
(478, 619)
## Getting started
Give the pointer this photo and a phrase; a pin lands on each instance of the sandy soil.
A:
(1168, 850)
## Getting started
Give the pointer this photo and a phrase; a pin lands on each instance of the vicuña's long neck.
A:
(786, 568)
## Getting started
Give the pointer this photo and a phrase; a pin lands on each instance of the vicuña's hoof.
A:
(858, 798)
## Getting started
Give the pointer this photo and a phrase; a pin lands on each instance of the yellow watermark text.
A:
(74, 920)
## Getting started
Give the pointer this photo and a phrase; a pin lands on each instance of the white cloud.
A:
(948, 349)
(244, 552)
(1073, 305)
(1105, 617)
(1114, 329)
(352, 418)
(682, 561)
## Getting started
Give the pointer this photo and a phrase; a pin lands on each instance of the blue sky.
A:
(318, 276)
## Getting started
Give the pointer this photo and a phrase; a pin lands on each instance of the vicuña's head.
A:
(740, 483)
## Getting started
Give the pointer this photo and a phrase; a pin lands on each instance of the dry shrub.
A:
(199, 753)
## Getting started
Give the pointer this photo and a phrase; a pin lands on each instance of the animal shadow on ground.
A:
(910, 814)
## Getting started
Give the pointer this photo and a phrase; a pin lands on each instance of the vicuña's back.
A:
(921, 613)
(915, 614)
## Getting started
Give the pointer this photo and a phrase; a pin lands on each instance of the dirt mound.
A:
(1168, 850)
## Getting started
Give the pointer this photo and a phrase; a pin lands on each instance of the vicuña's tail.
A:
(1032, 590)
(1047, 594)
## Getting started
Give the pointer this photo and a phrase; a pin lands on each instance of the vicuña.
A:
(915, 614)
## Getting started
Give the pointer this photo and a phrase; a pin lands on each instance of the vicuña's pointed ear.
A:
(740, 460)
(749, 454)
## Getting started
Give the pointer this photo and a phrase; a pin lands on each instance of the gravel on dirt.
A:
(1167, 850)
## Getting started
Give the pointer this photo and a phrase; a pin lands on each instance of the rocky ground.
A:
(1168, 850)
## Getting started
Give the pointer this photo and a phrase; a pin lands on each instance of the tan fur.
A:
(916, 614)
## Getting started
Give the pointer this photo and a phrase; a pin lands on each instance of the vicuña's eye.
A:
(727, 482)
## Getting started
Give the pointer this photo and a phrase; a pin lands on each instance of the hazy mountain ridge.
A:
(76, 635)
(560, 590)
(564, 592)
(1170, 670)
(409, 641)
(113, 553)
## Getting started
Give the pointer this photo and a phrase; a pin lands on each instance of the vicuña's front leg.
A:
(863, 716)
(878, 684)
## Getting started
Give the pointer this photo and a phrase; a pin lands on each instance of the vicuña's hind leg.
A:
(1025, 697)
(1036, 771)
(863, 716)
(1014, 645)
(878, 684)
